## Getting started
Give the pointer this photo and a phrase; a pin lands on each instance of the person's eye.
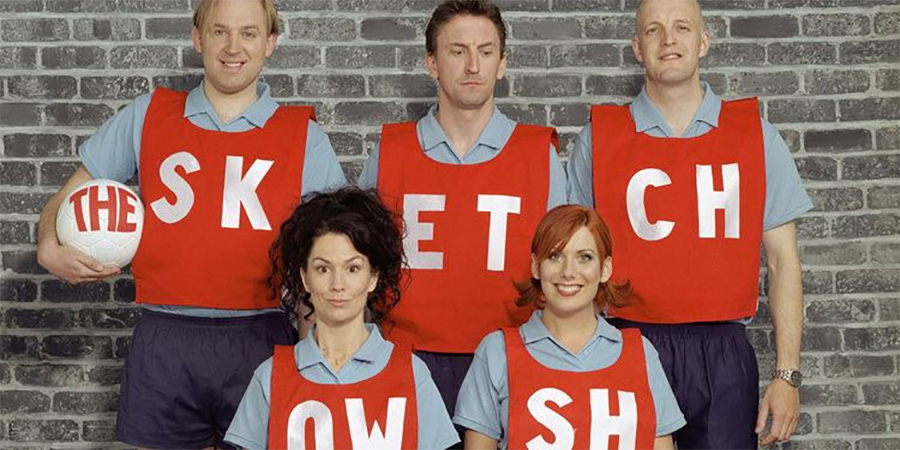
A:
(555, 257)
(354, 269)
(321, 269)
(586, 257)
(218, 33)
(651, 31)
(249, 35)
(456, 52)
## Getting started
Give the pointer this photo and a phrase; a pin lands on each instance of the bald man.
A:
(691, 185)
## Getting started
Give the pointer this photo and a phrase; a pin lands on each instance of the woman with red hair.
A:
(567, 378)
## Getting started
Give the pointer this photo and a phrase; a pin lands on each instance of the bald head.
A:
(647, 9)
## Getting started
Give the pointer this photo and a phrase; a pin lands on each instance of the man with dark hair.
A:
(471, 185)
(690, 186)
(219, 169)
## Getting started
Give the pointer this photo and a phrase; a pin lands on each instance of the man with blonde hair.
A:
(691, 186)
(219, 167)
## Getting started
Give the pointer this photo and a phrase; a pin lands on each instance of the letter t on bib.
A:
(500, 207)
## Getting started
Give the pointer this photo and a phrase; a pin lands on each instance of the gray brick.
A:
(858, 366)
(106, 29)
(56, 173)
(544, 86)
(817, 282)
(871, 167)
(872, 339)
(56, 291)
(840, 311)
(77, 114)
(280, 85)
(40, 145)
(85, 402)
(842, 254)
(37, 29)
(28, 402)
(17, 289)
(322, 29)
(49, 375)
(114, 87)
(98, 431)
(414, 57)
(854, 421)
(569, 115)
(881, 108)
(878, 444)
(723, 54)
(886, 253)
(404, 86)
(801, 110)
(840, 140)
(887, 23)
(817, 53)
(812, 227)
(17, 173)
(371, 5)
(143, 57)
(368, 113)
(154, 6)
(609, 27)
(821, 339)
(342, 57)
(20, 114)
(23, 262)
(80, 6)
(828, 394)
(869, 51)
(836, 199)
(881, 197)
(178, 82)
(27, 430)
(816, 168)
(868, 280)
(585, 5)
(618, 85)
(867, 225)
(42, 86)
(584, 55)
(818, 444)
(18, 347)
(887, 393)
(105, 375)
(545, 28)
(110, 318)
(765, 26)
(762, 83)
(18, 57)
(303, 5)
(532, 113)
(44, 318)
(836, 25)
(519, 56)
(20, 6)
(169, 27)
(791, 139)
(887, 138)
(74, 346)
(830, 82)
(123, 292)
(392, 29)
(888, 80)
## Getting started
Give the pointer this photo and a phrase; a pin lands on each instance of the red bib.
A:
(379, 412)
(685, 214)
(610, 408)
(468, 235)
(214, 202)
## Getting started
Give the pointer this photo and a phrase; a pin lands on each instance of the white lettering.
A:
(500, 207)
(184, 195)
(391, 439)
(709, 200)
(322, 422)
(561, 428)
(241, 191)
(604, 425)
(417, 231)
(637, 212)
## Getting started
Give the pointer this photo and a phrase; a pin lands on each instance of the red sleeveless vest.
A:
(304, 414)
(213, 204)
(468, 235)
(607, 408)
(685, 214)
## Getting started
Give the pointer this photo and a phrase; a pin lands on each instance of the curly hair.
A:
(371, 227)
(552, 234)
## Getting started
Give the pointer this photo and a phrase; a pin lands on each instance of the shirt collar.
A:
(257, 113)
(534, 330)
(433, 135)
(647, 116)
(309, 354)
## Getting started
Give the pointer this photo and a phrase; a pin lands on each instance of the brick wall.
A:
(825, 69)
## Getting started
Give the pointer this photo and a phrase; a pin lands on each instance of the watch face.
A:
(796, 378)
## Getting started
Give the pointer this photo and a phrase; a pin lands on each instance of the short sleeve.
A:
(113, 151)
(321, 170)
(435, 428)
(368, 178)
(250, 426)
(668, 415)
(484, 391)
(580, 170)
(786, 199)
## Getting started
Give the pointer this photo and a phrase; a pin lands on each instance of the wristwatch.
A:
(792, 376)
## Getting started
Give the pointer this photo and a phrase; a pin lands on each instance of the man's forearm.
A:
(785, 294)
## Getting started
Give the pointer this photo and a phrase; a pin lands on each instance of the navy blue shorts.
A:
(185, 376)
(713, 372)
(448, 370)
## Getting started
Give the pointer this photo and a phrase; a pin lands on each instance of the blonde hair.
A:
(205, 8)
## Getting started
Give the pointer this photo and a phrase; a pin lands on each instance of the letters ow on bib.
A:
(103, 219)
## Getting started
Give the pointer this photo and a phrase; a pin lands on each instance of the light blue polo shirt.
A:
(483, 403)
(489, 144)
(250, 427)
(113, 152)
(786, 199)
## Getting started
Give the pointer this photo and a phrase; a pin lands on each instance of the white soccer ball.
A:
(103, 219)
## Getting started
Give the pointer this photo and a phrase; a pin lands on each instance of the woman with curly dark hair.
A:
(339, 254)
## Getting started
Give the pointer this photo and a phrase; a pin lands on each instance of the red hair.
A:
(552, 235)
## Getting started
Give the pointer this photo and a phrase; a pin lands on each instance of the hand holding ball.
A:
(103, 219)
